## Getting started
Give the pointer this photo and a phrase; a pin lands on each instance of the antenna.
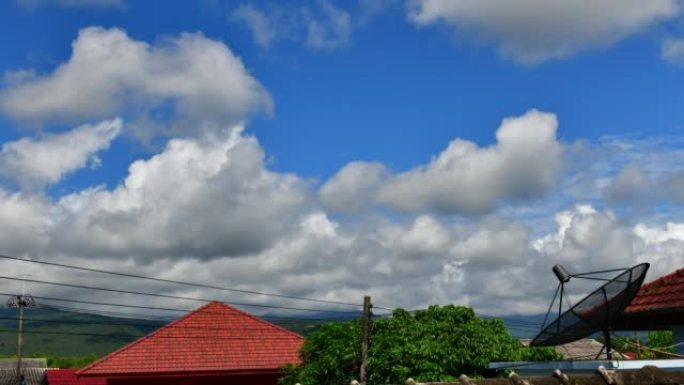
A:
(595, 312)
(20, 301)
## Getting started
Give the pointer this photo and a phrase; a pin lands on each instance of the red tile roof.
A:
(68, 377)
(664, 294)
(214, 338)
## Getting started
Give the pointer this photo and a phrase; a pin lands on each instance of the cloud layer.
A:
(470, 226)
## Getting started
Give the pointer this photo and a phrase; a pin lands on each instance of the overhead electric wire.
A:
(212, 337)
(62, 284)
(206, 286)
(133, 324)
(137, 316)
(157, 308)
(101, 313)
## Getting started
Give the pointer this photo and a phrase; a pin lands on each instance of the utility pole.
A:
(365, 342)
(20, 302)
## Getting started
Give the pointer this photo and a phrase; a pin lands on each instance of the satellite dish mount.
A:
(595, 312)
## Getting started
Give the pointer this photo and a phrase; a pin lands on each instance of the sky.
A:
(419, 151)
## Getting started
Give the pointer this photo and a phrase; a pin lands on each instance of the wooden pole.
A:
(365, 342)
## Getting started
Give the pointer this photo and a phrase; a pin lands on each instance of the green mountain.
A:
(75, 334)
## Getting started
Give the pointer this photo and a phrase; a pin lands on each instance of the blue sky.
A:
(338, 122)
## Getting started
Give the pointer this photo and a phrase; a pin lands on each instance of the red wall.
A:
(254, 379)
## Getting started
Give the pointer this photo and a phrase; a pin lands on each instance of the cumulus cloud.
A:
(205, 197)
(320, 27)
(464, 178)
(209, 208)
(39, 162)
(189, 77)
(588, 239)
(353, 187)
(468, 179)
(534, 31)
(410, 263)
(629, 186)
(634, 186)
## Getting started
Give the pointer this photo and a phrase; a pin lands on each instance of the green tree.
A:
(436, 344)
(660, 340)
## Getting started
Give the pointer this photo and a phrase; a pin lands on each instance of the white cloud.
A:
(11, 78)
(421, 261)
(533, 31)
(330, 30)
(353, 187)
(588, 240)
(208, 209)
(202, 197)
(672, 51)
(629, 186)
(258, 22)
(468, 179)
(320, 27)
(36, 163)
(199, 79)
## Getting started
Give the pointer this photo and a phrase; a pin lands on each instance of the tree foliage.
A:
(62, 362)
(661, 340)
(436, 344)
(659, 343)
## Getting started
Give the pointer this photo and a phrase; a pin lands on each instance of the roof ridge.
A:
(143, 338)
(664, 279)
(262, 321)
(171, 325)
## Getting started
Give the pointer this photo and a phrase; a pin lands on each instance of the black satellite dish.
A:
(596, 311)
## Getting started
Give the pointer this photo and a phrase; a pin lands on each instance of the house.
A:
(33, 370)
(648, 375)
(584, 349)
(658, 305)
(68, 377)
(215, 344)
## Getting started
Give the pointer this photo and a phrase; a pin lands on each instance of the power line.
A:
(141, 317)
(120, 291)
(186, 283)
(138, 316)
(156, 308)
(211, 338)
(131, 324)
(102, 313)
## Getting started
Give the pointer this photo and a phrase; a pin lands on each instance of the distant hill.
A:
(76, 334)
(73, 334)
(81, 334)
(525, 326)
